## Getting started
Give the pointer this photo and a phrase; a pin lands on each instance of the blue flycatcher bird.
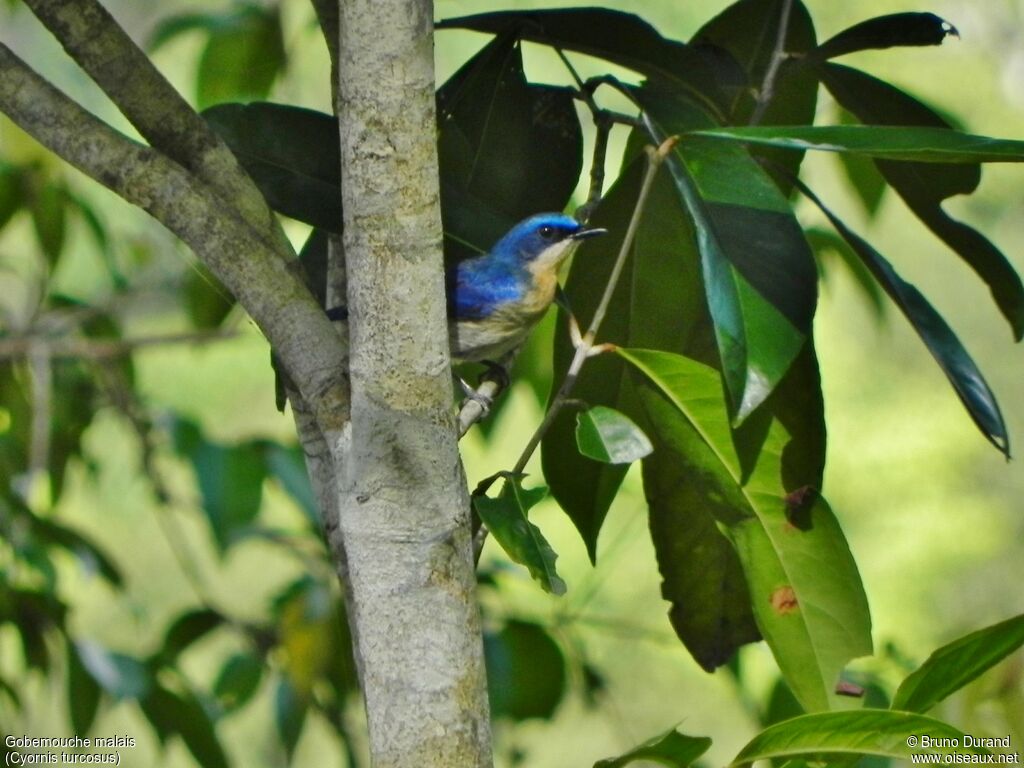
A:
(495, 299)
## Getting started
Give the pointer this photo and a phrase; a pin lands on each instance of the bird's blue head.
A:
(542, 241)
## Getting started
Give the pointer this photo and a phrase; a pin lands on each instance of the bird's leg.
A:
(485, 401)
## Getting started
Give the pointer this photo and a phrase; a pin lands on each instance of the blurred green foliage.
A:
(161, 551)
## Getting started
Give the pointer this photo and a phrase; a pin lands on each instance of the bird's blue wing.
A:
(474, 292)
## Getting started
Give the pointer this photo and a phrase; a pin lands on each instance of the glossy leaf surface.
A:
(507, 519)
(604, 434)
(967, 380)
(955, 665)
(673, 749)
(865, 732)
(924, 187)
(804, 586)
(896, 29)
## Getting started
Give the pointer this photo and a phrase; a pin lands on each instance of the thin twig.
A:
(655, 157)
(102, 349)
(767, 90)
(40, 363)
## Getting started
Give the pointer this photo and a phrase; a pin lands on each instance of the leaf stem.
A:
(655, 157)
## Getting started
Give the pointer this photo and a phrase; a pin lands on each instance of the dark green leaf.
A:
(237, 681)
(953, 666)
(805, 589)
(497, 135)
(604, 434)
(92, 558)
(887, 142)
(292, 155)
(759, 274)
(12, 194)
(207, 301)
(289, 715)
(173, 713)
(673, 749)
(886, 32)
(862, 173)
(702, 577)
(288, 466)
(923, 187)
(621, 38)
(230, 481)
(34, 615)
(748, 30)
(48, 206)
(525, 671)
(506, 518)
(83, 693)
(945, 347)
(121, 676)
(864, 732)
(827, 247)
(171, 27)
(185, 630)
(243, 57)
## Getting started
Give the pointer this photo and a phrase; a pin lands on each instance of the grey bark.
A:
(403, 504)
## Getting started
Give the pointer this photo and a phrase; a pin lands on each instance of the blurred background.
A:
(934, 515)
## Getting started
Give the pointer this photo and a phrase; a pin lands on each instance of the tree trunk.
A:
(403, 508)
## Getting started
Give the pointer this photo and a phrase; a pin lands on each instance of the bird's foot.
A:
(496, 372)
(484, 400)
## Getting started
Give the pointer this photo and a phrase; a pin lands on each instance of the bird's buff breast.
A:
(507, 326)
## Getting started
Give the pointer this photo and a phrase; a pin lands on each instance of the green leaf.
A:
(83, 692)
(897, 29)
(207, 300)
(673, 749)
(506, 518)
(171, 27)
(585, 488)
(525, 671)
(888, 142)
(953, 666)
(48, 209)
(862, 732)
(828, 247)
(923, 187)
(12, 193)
(956, 363)
(702, 577)
(288, 466)
(181, 713)
(292, 155)
(243, 56)
(123, 677)
(289, 715)
(759, 273)
(604, 434)
(230, 481)
(747, 31)
(238, 681)
(92, 558)
(185, 630)
(862, 173)
(621, 38)
(805, 590)
(496, 137)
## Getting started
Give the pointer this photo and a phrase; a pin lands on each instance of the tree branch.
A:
(244, 261)
(92, 37)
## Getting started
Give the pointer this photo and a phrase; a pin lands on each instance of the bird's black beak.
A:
(583, 234)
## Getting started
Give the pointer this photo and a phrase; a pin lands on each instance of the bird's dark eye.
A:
(547, 232)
